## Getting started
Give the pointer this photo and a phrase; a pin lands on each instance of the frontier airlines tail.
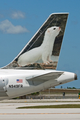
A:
(33, 69)
(42, 51)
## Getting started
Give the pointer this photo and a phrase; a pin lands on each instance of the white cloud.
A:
(18, 15)
(7, 27)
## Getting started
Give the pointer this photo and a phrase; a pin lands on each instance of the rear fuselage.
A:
(15, 83)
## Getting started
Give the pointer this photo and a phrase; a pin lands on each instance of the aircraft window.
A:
(54, 28)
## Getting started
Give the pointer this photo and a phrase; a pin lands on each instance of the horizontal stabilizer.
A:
(37, 80)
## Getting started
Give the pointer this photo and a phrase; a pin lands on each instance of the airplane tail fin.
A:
(42, 51)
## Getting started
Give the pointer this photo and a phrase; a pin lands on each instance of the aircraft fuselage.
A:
(15, 83)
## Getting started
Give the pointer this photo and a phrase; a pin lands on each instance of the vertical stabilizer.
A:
(42, 51)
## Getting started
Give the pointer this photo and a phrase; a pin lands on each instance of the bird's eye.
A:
(54, 28)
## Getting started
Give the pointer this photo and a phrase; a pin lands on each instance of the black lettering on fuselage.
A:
(16, 86)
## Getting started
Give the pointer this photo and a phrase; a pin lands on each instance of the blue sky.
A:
(20, 19)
